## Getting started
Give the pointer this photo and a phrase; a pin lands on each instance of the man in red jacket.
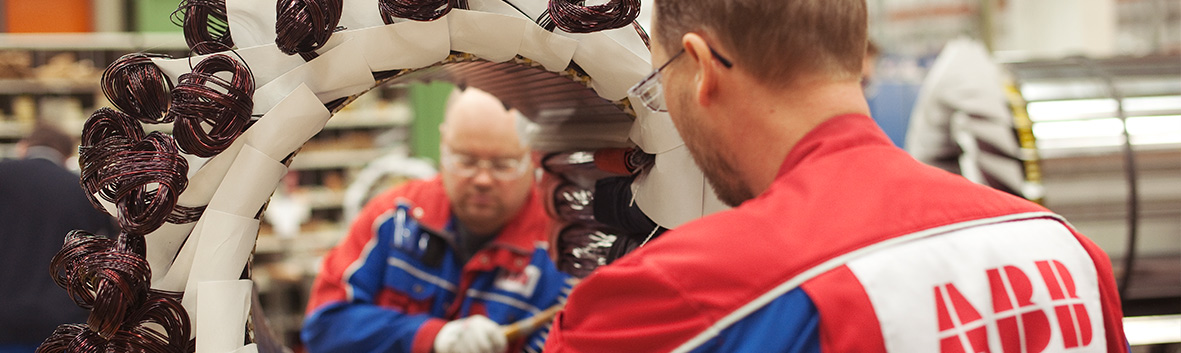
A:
(839, 241)
(439, 265)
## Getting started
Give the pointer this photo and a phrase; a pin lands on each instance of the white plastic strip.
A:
(358, 14)
(250, 348)
(252, 22)
(403, 45)
(162, 246)
(340, 72)
(224, 236)
(220, 323)
(223, 245)
(671, 192)
(277, 134)
(553, 51)
(265, 61)
(248, 184)
(531, 8)
(612, 65)
(174, 277)
(653, 132)
(492, 37)
(497, 7)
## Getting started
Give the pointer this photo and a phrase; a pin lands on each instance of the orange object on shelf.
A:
(49, 16)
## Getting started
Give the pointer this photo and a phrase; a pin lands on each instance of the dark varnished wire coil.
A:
(643, 35)
(571, 16)
(112, 279)
(203, 99)
(78, 244)
(203, 21)
(146, 180)
(573, 203)
(418, 10)
(583, 247)
(105, 133)
(302, 26)
(135, 85)
(137, 335)
(183, 214)
(143, 177)
(102, 275)
(118, 280)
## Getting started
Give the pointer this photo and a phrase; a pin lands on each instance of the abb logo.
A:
(1020, 324)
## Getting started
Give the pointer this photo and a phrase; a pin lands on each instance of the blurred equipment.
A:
(1108, 132)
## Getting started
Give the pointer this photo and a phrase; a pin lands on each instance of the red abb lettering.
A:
(1019, 321)
(1022, 326)
(1072, 315)
(955, 320)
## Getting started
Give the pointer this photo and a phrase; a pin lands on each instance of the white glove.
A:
(473, 334)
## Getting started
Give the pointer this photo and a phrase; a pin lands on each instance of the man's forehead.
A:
(485, 144)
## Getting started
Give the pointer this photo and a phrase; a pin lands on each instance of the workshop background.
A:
(1099, 80)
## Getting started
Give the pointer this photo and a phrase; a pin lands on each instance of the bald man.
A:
(439, 265)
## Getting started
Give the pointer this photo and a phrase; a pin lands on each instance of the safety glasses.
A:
(650, 91)
(467, 166)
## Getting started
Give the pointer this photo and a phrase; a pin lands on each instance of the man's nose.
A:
(483, 176)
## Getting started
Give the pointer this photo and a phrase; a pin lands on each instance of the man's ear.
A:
(706, 79)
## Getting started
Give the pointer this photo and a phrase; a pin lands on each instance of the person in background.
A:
(439, 265)
(962, 121)
(40, 201)
(839, 241)
(890, 94)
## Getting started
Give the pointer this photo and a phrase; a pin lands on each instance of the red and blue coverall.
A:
(390, 286)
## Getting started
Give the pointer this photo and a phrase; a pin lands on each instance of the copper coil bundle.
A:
(106, 123)
(571, 16)
(137, 336)
(144, 182)
(111, 278)
(302, 26)
(138, 87)
(418, 10)
(643, 35)
(142, 175)
(573, 203)
(583, 247)
(203, 99)
(104, 134)
(101, 276)
(589, 194)
(182, 214)
(204, 21)
(564, 163)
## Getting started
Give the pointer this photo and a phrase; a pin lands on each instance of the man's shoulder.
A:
(413, 191)
(718, 249)
(426, 196)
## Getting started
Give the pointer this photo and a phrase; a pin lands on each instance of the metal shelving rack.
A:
(1109, 135)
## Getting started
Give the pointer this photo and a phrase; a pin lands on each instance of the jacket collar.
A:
(835, 134)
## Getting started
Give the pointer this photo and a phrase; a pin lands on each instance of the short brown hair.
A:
(49, 135)
(774, 40)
